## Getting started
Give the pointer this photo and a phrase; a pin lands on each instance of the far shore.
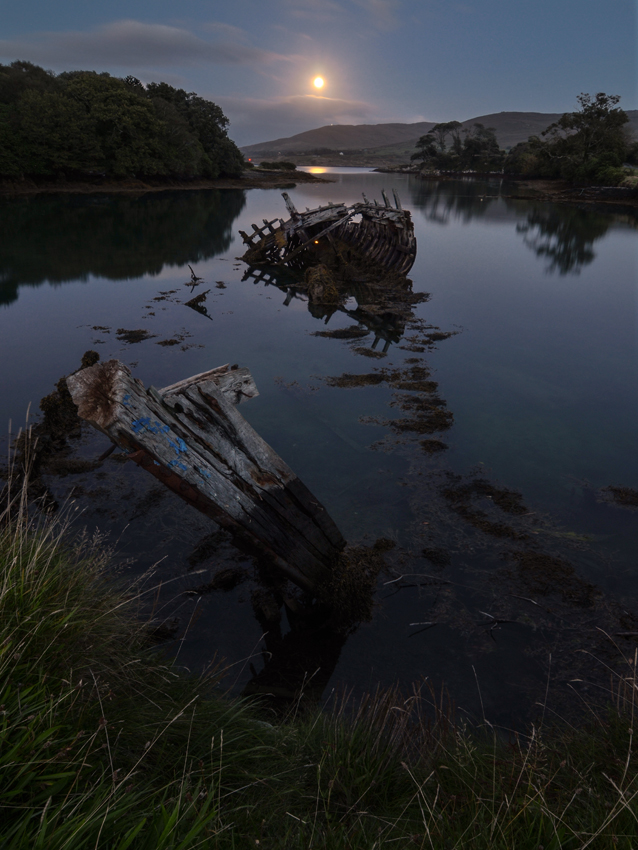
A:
(542, 189)
(250, 179)
(559, 191)
(556, 191)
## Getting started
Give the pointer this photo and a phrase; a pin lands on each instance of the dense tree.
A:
(585, 146)
(448, 147)
(53, 134)
(425, 149)
(480, 149)
(207, 123)
(441, 133)
(82, 122)
(21, 76)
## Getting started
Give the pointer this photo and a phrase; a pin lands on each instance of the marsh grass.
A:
(104, 745)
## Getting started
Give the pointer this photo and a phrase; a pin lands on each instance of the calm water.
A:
(541, 377)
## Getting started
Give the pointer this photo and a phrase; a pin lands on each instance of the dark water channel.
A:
(513, 567)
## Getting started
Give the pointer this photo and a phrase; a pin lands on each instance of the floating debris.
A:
(197, 304)
(195, 280)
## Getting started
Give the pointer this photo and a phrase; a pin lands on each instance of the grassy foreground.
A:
(104, 746)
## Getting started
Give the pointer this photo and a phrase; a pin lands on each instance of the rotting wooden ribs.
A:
(377, 232)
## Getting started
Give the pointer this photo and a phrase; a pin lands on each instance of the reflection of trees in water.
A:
(442, 200)
(66, 237)
(564, 235)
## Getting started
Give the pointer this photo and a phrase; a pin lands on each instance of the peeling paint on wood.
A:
(192, 438)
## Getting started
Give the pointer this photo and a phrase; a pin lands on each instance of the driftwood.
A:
(383, 235)
(193, 439)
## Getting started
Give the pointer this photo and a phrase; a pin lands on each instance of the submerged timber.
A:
(192, 438)
(378, 233)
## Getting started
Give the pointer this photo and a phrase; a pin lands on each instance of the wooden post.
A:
(193, 439)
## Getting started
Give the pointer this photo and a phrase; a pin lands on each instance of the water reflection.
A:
(299, 662)
(564, 235)
(381, 307)
(59, 238)
(441, 201)
(468, 554)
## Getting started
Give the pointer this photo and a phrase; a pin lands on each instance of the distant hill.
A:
(342, 137)
(400, 139)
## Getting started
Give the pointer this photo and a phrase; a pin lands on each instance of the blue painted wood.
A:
(192, 437)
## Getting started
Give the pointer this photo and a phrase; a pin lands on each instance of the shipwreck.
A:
(336, 254)
(366, 231)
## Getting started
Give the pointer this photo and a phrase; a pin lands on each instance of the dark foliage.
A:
(282, 165)
(448, 147)
(586, 146)
(85, 124)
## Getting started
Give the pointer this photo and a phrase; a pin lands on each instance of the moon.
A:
(318, 82)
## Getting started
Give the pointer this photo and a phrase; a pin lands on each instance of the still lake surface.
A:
(540, 374)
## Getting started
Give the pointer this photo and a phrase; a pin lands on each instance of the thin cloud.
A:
(378, 14)
(133, 44)
(382, 14)
(325, 11)
(257, 120)
(228, 30)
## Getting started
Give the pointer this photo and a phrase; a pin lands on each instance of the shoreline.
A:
(556, 191)
(249, 180)
(125, 740)
(560, 191)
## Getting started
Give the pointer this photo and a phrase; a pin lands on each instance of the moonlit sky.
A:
(382, 60)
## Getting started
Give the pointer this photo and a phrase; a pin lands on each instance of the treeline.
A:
(589, 145)
(83, 123)
(451, 147)
(278, 165)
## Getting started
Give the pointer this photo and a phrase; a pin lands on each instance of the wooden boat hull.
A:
(374, 233)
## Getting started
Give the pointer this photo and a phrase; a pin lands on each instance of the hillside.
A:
(399, 140)
(342, 137)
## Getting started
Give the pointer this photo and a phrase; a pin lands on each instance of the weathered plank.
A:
(235, 382)
(192, 438)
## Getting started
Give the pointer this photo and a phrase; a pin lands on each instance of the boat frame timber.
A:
(384, 235)
(192, 438)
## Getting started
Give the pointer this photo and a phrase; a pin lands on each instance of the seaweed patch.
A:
(432, 447)
(545, 574)
(353, 332)
(130, 337)
(461, 497)
(622, 497)
(349, 380)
